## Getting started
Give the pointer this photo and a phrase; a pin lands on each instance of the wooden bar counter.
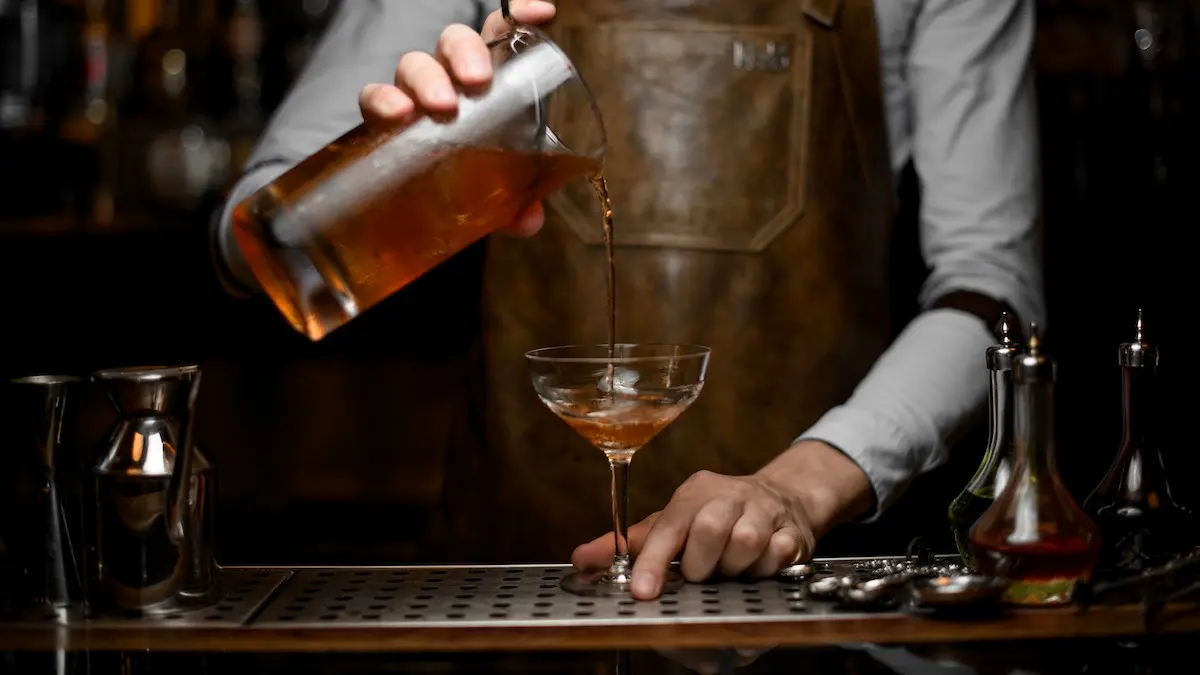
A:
(521, 608)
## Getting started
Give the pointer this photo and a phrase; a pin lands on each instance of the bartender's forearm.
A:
(896, 425)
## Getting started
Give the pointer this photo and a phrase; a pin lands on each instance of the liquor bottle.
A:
(1034, 534)
(994, 471)
(32, 74)
(244, 42)
(85, 130)
(19, 67)
(1140, 520)
(182, 158)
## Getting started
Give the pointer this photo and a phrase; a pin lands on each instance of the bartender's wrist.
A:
(828, 486)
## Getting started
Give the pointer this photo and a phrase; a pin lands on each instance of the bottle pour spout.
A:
(1139, 353)
(1001, 354)
(1033, 365)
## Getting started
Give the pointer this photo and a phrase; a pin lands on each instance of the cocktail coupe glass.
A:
(618, 398)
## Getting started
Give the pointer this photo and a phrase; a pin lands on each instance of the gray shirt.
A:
(959, 97)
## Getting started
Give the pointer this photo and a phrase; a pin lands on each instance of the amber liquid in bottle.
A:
(1139, 519)
(1035, 535)
(377, 247)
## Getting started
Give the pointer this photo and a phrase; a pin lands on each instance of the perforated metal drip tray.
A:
(468, 596)
(517, 595)
(245, 591)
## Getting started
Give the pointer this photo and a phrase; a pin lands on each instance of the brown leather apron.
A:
(749, 174)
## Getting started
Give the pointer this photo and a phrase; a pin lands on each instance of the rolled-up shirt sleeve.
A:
(362, 45)
(974, 146)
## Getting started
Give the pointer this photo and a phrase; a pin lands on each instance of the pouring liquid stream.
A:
(601, 187)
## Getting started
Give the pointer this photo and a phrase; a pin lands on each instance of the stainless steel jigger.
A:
(154, 494)
(41, 524)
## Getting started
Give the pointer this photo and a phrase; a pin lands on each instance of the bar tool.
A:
(41, 524)
(155, 494)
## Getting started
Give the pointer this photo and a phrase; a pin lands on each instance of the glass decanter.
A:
(996, 467)
(1141, 523)
(1034, 534)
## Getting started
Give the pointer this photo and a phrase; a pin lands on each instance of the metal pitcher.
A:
(41, 518)
(155, 494)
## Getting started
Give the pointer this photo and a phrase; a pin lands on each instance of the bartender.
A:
(754, 149)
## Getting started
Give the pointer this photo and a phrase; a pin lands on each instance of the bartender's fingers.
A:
(785, 548)
(463, 52)
(598, 553)
(707, 537)
(664, 541)
(746, 542)
(528, 12)
(425, 80)
(528, 223)
(384, 105)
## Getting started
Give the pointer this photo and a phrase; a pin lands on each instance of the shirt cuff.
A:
(232, 271)
(919, 395)
(871, 442)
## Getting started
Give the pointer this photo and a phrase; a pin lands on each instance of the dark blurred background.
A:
(123, 122)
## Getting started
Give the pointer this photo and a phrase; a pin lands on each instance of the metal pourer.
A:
(1139, 353)
(1033, 366)
(1000, 355)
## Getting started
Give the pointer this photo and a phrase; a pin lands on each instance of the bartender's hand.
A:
(742, 525)
(425, 82)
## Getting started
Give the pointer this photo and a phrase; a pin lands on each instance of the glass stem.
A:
(621, 566)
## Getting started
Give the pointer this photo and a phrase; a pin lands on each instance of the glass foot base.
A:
(601, 584)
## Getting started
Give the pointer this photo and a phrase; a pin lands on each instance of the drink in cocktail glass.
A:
(618, 397)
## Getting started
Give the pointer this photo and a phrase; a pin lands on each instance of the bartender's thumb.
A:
(528, 12)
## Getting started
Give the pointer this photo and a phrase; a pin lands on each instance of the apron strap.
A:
(824, 12)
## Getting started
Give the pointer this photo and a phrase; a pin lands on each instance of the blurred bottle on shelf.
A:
(244, 42)
(175, 158)
(89, 167)
(34, 84)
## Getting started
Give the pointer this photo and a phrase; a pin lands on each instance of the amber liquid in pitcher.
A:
(379, 246)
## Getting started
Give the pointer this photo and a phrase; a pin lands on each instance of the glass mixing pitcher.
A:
(374, 210)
